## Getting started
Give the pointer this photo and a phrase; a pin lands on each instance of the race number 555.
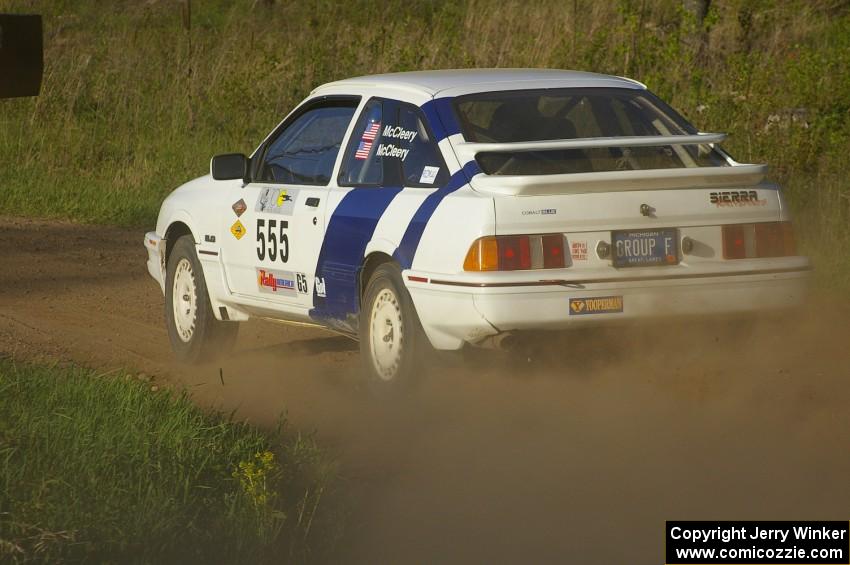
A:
(272, 240)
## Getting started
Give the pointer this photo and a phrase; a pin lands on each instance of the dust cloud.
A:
(577, 456)
(580, 454)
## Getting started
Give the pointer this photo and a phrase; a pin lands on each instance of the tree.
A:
(698, 9)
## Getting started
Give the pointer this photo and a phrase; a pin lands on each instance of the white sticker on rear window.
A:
(398, 132)
(429, 175)
(391, 150)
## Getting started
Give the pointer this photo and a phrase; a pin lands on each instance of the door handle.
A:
(313, 202)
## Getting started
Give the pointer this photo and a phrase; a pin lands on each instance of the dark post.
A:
(21, 55)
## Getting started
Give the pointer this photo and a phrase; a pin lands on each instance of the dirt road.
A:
(579, 457)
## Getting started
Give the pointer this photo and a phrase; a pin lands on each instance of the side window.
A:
(421, 161)
(391, 146)
(362, 165)
(305, 152)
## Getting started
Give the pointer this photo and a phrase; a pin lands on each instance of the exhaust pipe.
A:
(505, 341)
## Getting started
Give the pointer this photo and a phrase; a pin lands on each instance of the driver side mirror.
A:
(229, 166)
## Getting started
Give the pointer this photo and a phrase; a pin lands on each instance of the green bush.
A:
(101, 468)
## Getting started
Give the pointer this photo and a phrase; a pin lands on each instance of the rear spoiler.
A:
(649, 179)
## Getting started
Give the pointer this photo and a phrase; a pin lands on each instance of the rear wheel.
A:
(193, 330)
(391, 338)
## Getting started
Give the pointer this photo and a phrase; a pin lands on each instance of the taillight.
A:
(553, 251)
(483, 255)
(735, 239)
(516, 253)
(775, 239)
(750, 241)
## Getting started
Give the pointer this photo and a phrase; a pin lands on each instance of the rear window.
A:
(575, 113)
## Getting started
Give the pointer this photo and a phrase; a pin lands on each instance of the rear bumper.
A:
(453, 313)
(155, 246)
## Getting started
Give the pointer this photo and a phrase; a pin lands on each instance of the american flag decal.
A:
(371, 131)
(363, 150)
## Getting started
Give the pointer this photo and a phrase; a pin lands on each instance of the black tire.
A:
(207, 337)
(387, 305)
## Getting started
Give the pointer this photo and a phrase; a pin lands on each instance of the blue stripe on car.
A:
(410, 241)
(349, 231)
(441, 118)
(353, 223)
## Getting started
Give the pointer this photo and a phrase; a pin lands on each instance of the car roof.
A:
(480, 80)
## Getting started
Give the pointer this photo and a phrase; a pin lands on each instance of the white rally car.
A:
(444, 208)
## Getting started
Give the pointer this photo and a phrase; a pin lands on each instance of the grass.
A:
(101, 468)
(137, 96)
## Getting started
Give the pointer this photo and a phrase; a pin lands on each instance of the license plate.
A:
(645, 248)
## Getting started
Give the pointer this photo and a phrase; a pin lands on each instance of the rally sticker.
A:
(320, 287)
(237, 229)
(371, 131)
(398, 132)
(276, 282)
(239, 207)
(392, 150)
(598, 305)
(429, 175)
(276, 201)
(578, 250)
(363, 150)
(366, 140)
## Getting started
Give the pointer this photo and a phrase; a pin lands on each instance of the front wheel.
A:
(391, 337)
(193, 330)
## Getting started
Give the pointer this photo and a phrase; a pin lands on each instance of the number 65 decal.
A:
(272, 241)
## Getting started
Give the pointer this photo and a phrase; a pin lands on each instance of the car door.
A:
(278, 219)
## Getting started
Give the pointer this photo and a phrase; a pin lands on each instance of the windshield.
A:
(574, 113)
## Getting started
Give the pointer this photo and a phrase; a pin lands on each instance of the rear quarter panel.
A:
(461, 218)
